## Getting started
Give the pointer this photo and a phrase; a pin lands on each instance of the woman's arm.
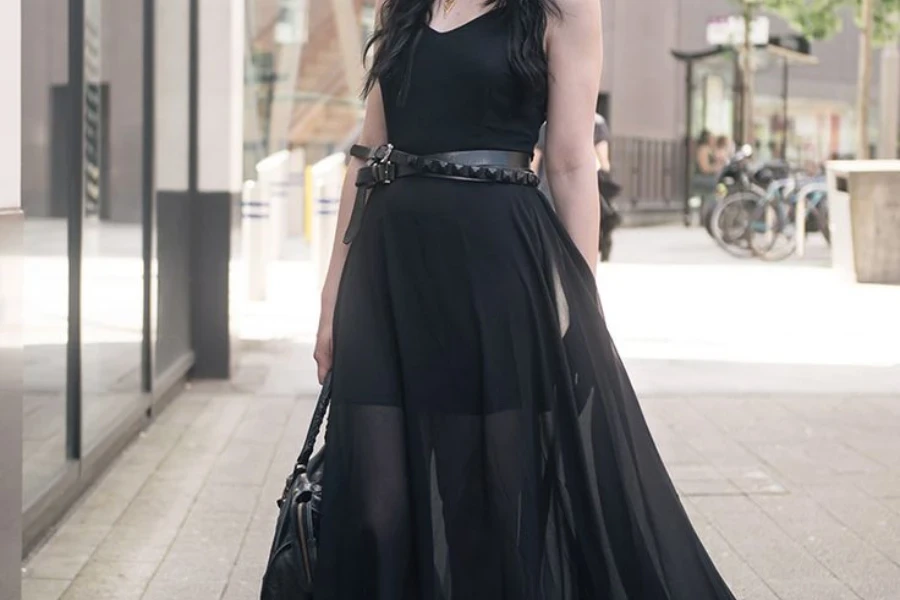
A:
(575, 54)
(373, 133)
(536, 160)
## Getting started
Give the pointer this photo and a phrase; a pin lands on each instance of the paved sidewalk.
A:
(773, 393)
(797, 496)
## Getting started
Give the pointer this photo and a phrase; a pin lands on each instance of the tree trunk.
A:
(889, 103)
(747, 75)
(864, 83)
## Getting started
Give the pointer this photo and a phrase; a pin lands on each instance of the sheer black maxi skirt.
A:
(484, 441)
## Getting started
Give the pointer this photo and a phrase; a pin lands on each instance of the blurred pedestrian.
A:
(705, 176)
(723, 151)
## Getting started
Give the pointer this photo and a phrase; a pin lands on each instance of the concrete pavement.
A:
(773, 392)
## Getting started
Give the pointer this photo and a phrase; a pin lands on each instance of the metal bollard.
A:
(296, 183)
(328, 179)
(255, 214)
(272, 174)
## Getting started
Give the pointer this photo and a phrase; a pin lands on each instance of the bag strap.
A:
(315, 424)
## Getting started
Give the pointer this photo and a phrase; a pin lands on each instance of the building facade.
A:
(121, 170)
(129, 129)
(646, 86)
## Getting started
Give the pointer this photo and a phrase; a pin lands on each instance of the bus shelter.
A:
(713, 84)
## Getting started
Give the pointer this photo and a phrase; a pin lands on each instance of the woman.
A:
(723, 152)
(484, 442)
(705, 178)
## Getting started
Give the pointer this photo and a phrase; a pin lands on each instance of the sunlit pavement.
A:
(773, 391)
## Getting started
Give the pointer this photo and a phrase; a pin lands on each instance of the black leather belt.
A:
(384, 164)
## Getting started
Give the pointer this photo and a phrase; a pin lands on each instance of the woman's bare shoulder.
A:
(573, 10)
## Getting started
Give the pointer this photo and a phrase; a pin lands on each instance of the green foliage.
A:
(887, 21)
(814, 19)
(821, 19)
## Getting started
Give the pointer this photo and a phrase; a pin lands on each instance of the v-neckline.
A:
(464, 25)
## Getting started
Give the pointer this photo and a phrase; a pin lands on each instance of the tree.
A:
(878, 21)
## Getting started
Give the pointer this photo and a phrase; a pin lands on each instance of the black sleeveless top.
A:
(463, 93)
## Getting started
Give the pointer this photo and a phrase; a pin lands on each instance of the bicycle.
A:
(763, 224)
(774, 224)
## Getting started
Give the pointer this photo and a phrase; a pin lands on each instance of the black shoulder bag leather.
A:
(292, 559)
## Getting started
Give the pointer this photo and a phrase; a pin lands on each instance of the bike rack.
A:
(800, 212)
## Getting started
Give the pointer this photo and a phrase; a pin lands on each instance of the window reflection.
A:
(45, 112)
(112, 265)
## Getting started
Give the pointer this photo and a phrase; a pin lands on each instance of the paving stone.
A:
(707, 487)
(765, 547)
(113, 580)
(100, 509)
(52, 565)
(147, 543)
(825, 587)
(197, 567)
(265, 419)
(849, 557)
(755, 480)
(866, 516)
(74, 538)
(191, 588)
(795, 496)
(243, 463)
(244, 583)
(43, 589)
(228, 498)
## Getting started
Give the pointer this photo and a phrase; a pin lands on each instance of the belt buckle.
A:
(383, 170)
(383, 153)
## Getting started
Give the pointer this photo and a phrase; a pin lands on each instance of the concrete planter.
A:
(864, 212)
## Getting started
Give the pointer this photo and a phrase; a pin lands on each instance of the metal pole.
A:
(76, 166)
(737, 117)
(784, 117)
(747, 74)
(688, 124)
(865, 79)
(148, 209)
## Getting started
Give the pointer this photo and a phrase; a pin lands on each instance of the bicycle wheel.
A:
(731, 220)
(771, 234)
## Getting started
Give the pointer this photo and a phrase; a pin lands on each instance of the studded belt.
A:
(385, 164)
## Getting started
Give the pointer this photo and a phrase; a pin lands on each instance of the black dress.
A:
(484, 441)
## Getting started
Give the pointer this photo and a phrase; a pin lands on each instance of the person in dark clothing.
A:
(484, 439)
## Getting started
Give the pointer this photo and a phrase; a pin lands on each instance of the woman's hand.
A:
(324, 352)
(373, 134)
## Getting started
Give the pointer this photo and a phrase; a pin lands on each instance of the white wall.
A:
(172, 92)
(221, 95)
(10, 103)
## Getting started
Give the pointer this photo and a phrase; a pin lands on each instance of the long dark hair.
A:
(401, 22)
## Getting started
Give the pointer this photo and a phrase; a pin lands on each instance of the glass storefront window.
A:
(112, 247)
(45, 181)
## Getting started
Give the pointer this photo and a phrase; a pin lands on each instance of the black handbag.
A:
(292, 559)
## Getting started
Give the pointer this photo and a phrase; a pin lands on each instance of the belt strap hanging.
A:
(385, 164)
